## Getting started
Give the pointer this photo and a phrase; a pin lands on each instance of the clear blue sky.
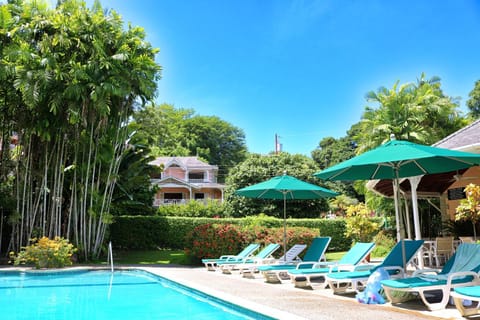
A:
(300, 69)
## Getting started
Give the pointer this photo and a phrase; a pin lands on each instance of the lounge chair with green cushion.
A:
(393, 263)
(265, 254)
(467, 300)
(210, 264)
(315, 253)
(348, 262)
(459, 271)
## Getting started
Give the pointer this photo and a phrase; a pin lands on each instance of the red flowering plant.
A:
(214, 240)
(295, 235)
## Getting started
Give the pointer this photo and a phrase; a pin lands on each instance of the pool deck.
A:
(284, 301)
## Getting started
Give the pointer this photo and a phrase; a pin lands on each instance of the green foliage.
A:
(469, 208)
(473, 103)
(418, 112)
(258, 168)
(208, 209)
(179, 132)
(133, 191)
(360, 226)
(214, 240)
(261, 220)
(46, 253)
(70, 78)
(152, 232)
(331, 151)
(384, 243)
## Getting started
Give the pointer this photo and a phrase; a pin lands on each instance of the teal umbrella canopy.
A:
(399, 159)
(285, 188)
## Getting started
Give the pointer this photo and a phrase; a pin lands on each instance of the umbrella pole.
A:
(397, 216)
(284, 226)
(397, 213)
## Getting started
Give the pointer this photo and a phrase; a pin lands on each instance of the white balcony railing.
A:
(166, 202)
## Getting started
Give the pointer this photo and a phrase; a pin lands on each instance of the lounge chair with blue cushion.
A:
(265, 254)
(315, 253)
(459, 271)
(291, 256)
(467, 300)
(348, 262)
(210, 264)
(393, 263)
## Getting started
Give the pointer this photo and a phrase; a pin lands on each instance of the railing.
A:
(110, 256)
(166, 202)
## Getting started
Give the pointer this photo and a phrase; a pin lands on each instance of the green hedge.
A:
(150, 232)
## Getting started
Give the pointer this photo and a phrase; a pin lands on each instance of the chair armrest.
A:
(305, 264)
(425, 271)
(365, 267)
(462, 274)
(229, 257)
(400, 270)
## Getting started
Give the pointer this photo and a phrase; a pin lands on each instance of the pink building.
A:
(184, 179)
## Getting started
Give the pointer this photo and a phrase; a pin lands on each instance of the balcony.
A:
(166, 202)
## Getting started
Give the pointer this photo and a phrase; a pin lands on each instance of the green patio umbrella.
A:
(285, 188)
(399, 159)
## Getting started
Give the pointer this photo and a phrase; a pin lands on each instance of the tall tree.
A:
(418, 112)
(78, 74)
(179, 132)
(473, 103)
(257, 168)
(331, 151)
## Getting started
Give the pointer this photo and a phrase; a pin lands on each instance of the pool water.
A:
(132, 294)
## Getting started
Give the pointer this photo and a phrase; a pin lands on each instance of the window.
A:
(199, 196)
(173, 196)
(198, 176)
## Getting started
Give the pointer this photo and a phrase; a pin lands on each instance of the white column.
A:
(414, 181)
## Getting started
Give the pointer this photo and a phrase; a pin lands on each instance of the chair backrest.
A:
(293, 253)
(466, 239)
(357, 253)
(267, 251)
(317, 249)
(444, 245)
(395, 257)
(465, 258)
(249, 250)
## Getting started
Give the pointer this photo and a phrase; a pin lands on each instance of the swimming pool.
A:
(101, 294)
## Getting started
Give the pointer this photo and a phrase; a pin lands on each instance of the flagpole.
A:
(285, 225)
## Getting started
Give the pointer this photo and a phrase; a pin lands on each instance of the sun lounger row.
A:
(458, 279)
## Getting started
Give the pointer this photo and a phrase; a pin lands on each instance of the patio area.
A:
(283, 301)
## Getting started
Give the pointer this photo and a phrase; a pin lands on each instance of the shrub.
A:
(214, 240)
(46, 253)
(384, 243)
(360, 226)
(151, 232)
(210, 208)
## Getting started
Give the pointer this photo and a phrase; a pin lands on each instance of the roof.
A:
(465, 139)
(184, 162)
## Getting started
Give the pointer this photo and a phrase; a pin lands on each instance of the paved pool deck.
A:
(284, 301)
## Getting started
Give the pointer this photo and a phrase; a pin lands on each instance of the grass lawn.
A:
(151, 257)
(170, 257)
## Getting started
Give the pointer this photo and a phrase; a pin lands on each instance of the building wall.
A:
(472, 175)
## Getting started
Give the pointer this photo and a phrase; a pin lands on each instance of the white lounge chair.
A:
(291, 256)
